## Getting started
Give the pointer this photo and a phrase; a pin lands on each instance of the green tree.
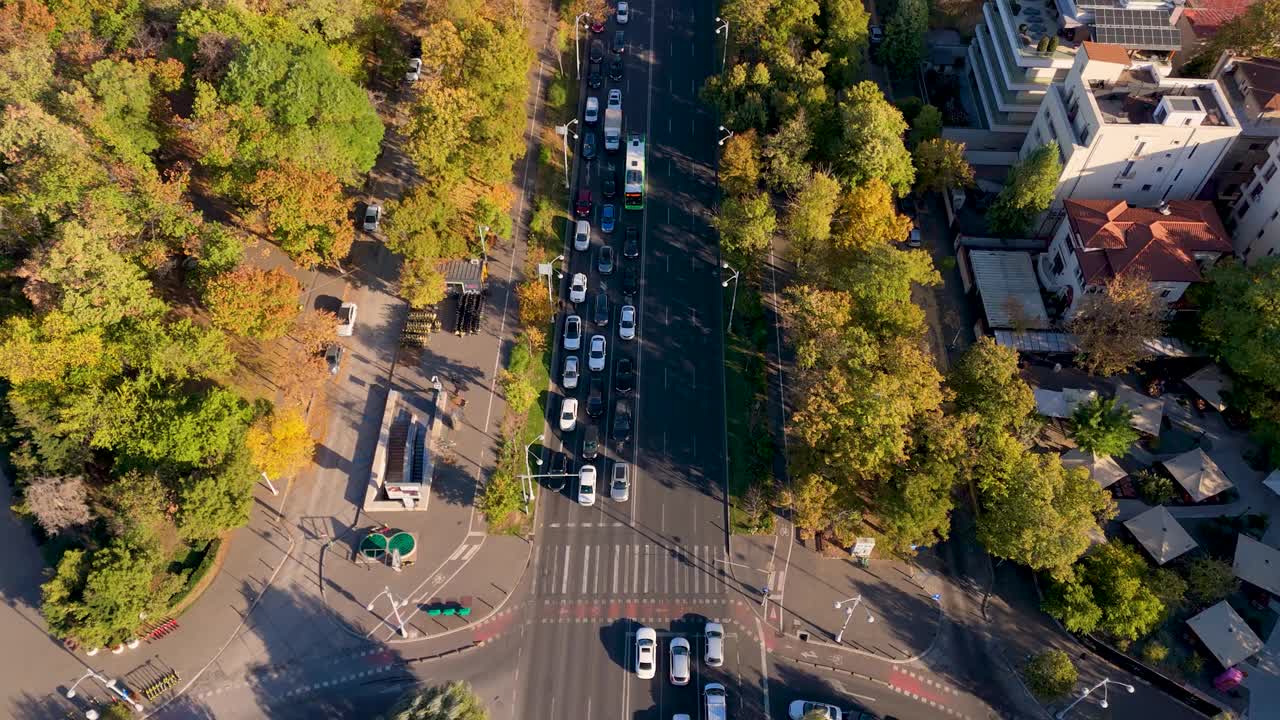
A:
(80, 274)
(867, 219)
(1051, 674)
(1237, 317)
(421, 283)
(305, 212)
(26, 65)
(1027, 192)
(845, 38)
(1154, 488)
(213, 501)
(811, 503)
(1254, 32)
(121, 108)
(914, 505)
(1209, 581)
(1110, 590)
(1114, 328)
(903, 47)
(740, 164)
(746, 226)
(868, 143)
(810, 213)
(252, 302)
(925, 126)
(1072, 602)
(1102, 427)
(941, 166)
(454, 701)
(785, 152)
(988, 384)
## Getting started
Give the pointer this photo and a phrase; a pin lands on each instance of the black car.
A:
(604, 260)
(597, 51)
(619, 42)
(624, 377)
(589, 145)
(621, 421)
(630, 280)
(631, 246)
(602, 309)
(595, 76)
(559, 466)
(609, 181)
(595, 399)
(615, 69)
(591, 443)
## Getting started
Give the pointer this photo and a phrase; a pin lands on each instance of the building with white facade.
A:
(1023, 47)
(1125, 133)
(1252, 86)
(1255, 218)
(1171, 245)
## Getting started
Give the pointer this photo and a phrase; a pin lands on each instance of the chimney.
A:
(1163, 208)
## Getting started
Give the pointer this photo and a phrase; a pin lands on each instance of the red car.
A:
(582, 208)
(597, 25)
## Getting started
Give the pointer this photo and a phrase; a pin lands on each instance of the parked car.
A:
(604, 260)
(615, 99)
(596, 354)
(630, 280)
(714, 635)
(587, 485)
(681, 661)
(624, 12)
(608, 216)
(913, 238)
(619, 42)
(596, 53)
(372, 217)
(591, 442)
(595, 398)
(569, 377)
(602, 309)
(646, 653)
(333, 358)
(595, 77)
(627, 322)
(589, 145)
(620, 486)
(624, 376)
(631, 245)
(582, 236)
(615, 69)
(609, 181)
(582, 206)
(591, 115)
(877, 35)
(415, 70)
(800, 709)
(578, 288)
(572, 332)
(568, 414)
(621, 421)
(347, 319)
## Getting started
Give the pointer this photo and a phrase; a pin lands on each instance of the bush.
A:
(1051, 674)
(1210, 581)
(1043, 45)
(1155, 489)
(557, 93)
(1193, 664)
(1154, 653)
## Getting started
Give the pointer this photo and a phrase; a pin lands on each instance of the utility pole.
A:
(395, 610)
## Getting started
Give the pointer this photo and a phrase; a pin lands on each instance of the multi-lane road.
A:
(601, 572)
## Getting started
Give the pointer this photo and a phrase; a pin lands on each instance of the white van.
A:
(592, 115)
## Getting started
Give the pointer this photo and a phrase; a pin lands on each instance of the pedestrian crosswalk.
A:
(639, 569)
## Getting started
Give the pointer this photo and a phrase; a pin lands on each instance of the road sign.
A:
(544, 269)
(862, 547)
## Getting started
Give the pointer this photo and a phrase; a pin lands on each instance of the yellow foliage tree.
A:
(280, 443)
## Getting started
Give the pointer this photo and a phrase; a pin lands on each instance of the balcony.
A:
(1002, 62)
(1038, 16)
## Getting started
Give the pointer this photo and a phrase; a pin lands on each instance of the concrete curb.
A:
(942, 618)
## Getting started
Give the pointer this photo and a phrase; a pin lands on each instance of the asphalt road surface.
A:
(602, 570)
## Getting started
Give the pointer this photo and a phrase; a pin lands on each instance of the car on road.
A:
(595, 398)
(619, 42)
(624, 376)
(609, 181)
(578, 288)
(602, 309)
(596, 53)
(589, 145)
(624, 12)
(582, 206)
(415, 70)
(620, 486)
(877, 35)
(615, 99)
(627, 322)
(604, 260)
(347, 319)
(591, 115)
(631, 245)
(569, 378)
(680, 661)
(572, 332)
(595, 355)
(800, 709)
(582, 236)
(591, 443)
(913, 237)
(717, 702)
(372, 217)
(595, 76)
(559, 467)
(621, 421)
(587, 485)
(630, 280)
(333, 358)
(646, 653)
(714, 635)
(615, 69)
(608, 217)
(568, 414)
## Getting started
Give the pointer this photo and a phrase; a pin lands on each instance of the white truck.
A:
(612, 129)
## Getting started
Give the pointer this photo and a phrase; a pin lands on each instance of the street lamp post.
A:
(734, 300)
(577, 58)
(395, 610)
(484, 233)
(110, 683)
(728, 134)
(724, 25)
(848, 613)
(528, 494)
(564, 132)
(1103, 683)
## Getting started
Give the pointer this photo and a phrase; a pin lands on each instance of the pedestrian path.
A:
(617, 570)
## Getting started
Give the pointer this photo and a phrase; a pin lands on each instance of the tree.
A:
(1112, 328)
(279, 443)
(81, 274)
(925, 126)
(315, 330)
(213, 501)
(845, 38)
(1209, 581)
(305, 212)
(1102, 427)
(536, 307)
(941, 166)
(903, 46)
(1027, 191)
(809, 215)
(1238, 320)
(867, 218)
(812, 503)
(1051, 674)
(914, 506)
(740, 163)
(868, 143)
(252, 302)
(423, 226)
(57, 502)
(746, 226)
(1154, 488)
(988, 384)
(785, 154)
(421, 283)
(454, 701)
(1254, 32)
(1038, 513)
(1109, 590)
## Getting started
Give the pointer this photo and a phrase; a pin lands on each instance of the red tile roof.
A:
(1118, 238)
(1206, 16)
(1106, 52)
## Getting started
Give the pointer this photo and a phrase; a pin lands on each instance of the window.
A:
(1244, 208)
(1128, 169)
(1159, 168)
(1261, 231)
(1270, 173)
(1256, 146)
(1165, 293)
(1269, 251)
(1146, 188)
(1137, 151)
(1177, 175)
(1186, 122)
(1275, 215)
(1256, 191)
(1237, 167)
(1247, 251)
(1058, 264)
(1193, 151)
(1084, 135)
(1117, 186)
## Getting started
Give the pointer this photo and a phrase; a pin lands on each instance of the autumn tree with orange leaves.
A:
(305, 213)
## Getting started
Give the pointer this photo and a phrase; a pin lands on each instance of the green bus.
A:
(633, 181)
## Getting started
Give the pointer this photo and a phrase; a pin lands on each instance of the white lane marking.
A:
(635, 570)
(471, 553)
(586, 565)
(461, 549)
(617, 550)
(647, 553)
(764, 664)
(595, 582)
(666, 568)
(564, 582)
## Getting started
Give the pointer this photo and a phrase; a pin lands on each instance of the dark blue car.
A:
(608, 215)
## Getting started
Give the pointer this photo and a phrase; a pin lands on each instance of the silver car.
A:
(680, 661)
(714, 633)
(572, 332)
(347, 319)
(620, 486)
(569, 378)
(595, 356)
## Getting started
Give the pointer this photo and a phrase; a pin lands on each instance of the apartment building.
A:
(1252, 86)
(1125, 133)
(1254, 221)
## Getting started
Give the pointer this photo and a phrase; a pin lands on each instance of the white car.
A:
(572, 332)
(714, 633)
(680, 661)
(415, 70)
(569, 414)
(615, 99)
(372, 216)
(582, 236)
(592, 114)
(624, 12)
(587, 487)
(646, 653)
(569, 379)
(620, 486)
(578, 288)
(627, 322)
(801, 709)
(346, 319)
(595, 355)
